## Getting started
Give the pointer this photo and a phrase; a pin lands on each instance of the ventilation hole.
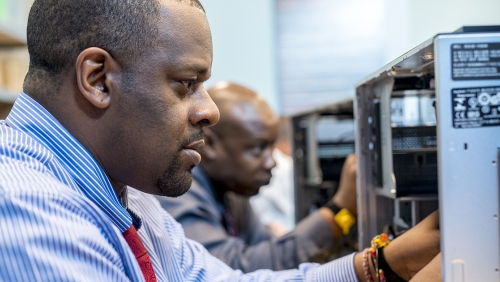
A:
(420, 159)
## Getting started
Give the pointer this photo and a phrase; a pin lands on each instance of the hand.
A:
(412, 251)
(277, 228)
(431, 272)
(346, 194)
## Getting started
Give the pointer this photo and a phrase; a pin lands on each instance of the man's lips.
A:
(265, 179)
(192, 149)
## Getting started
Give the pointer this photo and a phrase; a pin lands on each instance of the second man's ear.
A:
(94, 69)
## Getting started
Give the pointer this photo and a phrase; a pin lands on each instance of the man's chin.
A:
(174, 192)
(249, 192)
(174, 186)
(178, 192)
(253, 193)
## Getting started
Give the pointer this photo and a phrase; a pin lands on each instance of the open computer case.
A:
(428, 136)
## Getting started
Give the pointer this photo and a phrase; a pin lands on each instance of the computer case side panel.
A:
(468, 136)
(374, 157)
(365, 188)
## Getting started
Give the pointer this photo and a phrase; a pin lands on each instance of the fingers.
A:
(346, 194)
(349, 167)
(348, 174)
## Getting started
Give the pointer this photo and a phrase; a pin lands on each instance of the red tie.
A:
(140, 253)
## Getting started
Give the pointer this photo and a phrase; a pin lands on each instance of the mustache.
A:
(193, 138)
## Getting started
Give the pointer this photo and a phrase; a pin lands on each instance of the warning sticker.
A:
(474, 61)
(476, 107)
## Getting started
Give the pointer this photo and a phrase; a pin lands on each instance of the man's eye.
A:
(188, 83)
(257, 149)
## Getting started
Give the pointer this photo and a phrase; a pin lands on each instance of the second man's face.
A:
(247, 160)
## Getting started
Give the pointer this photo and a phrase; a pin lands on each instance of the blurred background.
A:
(299, 54)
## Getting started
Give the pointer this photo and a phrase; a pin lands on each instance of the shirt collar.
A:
(31, 118)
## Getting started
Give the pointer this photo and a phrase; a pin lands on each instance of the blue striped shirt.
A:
(60, 219)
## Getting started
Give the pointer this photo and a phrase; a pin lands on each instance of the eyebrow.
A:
(198, 70)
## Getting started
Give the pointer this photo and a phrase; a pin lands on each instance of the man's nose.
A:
(269, 161)
(204, 111)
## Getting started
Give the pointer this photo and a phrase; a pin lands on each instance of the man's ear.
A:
(210, 150)
(94, 69)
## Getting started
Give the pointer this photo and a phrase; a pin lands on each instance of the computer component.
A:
(428, 134)
(322, 139)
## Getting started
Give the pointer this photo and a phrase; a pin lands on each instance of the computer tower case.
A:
(322, 139)
(428, 135)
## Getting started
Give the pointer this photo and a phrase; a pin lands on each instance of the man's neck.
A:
(219, 189)
(121, 191)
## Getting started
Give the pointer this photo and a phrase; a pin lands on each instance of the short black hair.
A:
(58, 30)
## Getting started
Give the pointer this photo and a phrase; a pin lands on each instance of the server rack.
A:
(428, 134)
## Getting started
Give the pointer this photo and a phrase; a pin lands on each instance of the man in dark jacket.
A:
(237, 161)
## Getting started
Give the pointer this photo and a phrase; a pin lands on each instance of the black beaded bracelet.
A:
(389, 274)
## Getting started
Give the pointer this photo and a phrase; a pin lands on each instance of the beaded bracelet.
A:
(377, 242)
(388, 272)
(366, 266)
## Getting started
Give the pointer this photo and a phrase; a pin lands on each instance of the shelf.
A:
(422, 197)
(428, 197)
(419, 150)
(414, 92)
(9, 40)
(8, 96)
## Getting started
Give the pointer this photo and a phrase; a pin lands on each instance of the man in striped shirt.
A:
(114, 97)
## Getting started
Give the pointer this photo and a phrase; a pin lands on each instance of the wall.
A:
(13, 19)
(327, 46)
(14, 58)
(244, 45)
(429, 17)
